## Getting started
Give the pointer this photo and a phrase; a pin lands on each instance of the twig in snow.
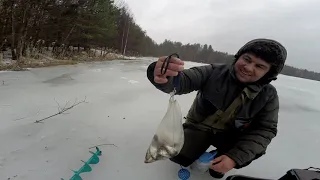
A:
(57, 104)
(59, 107)
(28, 116)
(4, 105)
(63, 110)
(103, 145)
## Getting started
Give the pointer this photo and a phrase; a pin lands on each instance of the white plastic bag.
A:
(169, 137)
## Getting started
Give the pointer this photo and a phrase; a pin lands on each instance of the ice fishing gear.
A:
(168, 140)
(311, 173)
(302, 174)
(183, 174)
(94, 159)
(164, 69)
(203, 163)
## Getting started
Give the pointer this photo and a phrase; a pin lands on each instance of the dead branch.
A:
(28, 116)
(5, 105)
(103, 145)
(59, 109)
(63, 110)
(67, 104)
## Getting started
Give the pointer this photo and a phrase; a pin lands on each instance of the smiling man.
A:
(236, 108)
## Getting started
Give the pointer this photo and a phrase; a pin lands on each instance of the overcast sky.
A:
(228, 24)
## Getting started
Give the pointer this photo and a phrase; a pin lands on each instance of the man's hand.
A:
(222, 164)
(175, 66)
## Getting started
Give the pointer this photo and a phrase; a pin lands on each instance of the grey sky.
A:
(227, 25)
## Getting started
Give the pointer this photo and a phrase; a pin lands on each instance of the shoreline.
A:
(44, 62)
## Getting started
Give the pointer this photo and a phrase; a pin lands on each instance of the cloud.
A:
(227, 25)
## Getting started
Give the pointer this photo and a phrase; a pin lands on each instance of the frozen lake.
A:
(124, 109)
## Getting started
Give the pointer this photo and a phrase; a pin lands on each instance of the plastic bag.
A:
(169, 137)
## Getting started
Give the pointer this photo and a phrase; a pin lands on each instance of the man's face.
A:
(250, 68)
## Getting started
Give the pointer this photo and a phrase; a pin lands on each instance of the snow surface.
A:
(124, 109)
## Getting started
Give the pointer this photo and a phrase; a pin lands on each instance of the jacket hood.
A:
(269, 50)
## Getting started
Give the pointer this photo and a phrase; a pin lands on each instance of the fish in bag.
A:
(168, 140)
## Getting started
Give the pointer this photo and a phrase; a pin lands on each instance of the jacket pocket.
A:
(242, 123)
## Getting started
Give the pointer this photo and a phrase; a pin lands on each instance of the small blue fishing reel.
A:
(183, 174)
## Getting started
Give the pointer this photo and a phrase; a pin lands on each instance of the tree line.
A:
(205, 54)
(36, 25)
(61, 24)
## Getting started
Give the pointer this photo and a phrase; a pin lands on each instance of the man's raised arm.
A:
(190, 80)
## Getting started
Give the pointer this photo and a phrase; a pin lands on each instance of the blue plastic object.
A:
(183, 174)
(94, 159)
(207, 157)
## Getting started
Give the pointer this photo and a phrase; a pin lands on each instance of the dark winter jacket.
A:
(254, 124)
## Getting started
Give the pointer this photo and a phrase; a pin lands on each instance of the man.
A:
(236, 108)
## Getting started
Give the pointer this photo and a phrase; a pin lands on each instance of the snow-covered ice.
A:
(127, 115)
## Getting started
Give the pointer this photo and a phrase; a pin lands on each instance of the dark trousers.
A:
(197, 142)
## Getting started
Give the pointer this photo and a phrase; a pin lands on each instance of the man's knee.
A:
(195, 143)
(182, 160)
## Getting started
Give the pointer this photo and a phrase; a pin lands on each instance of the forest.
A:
(66, 27)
